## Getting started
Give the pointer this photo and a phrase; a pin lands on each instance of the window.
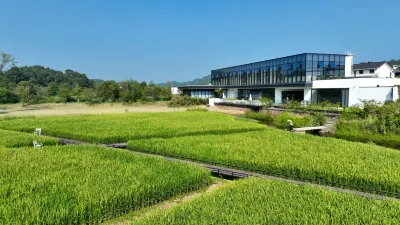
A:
(371, 71)
(321, 64)
(361, 72)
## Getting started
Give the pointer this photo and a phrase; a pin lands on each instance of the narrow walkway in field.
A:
(132, 216)
(235, 173)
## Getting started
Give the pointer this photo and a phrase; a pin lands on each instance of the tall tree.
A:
(108, 91)
(52, 89)
(7, 60)
(7, 96)
(152, 92)
(28, 93)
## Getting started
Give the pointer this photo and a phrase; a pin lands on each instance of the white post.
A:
(395, 93)
(38, 131)
(278, 96)
(307, 95)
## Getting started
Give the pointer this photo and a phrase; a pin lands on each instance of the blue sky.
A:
(183, 40)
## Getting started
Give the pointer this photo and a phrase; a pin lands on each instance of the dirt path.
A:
(131, 217)
(54, 109)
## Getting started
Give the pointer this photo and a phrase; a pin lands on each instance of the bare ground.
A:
(54, 109)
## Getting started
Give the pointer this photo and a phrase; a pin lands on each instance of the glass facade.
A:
(287, 70)
(339, 95)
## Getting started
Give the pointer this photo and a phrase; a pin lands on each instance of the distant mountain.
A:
(198, 81)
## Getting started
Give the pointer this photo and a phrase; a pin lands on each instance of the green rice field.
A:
(86, 184)
(262, 201)
(17, 139)
(115, 128)
(303, 156)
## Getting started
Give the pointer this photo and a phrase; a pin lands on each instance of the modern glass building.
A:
(307, 77)
(286, 70)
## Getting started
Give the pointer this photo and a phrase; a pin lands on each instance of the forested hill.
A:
(394, 62)
(198, 81)
(43, 76)
(39, 84)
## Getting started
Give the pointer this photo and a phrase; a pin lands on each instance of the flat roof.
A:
(280, 58)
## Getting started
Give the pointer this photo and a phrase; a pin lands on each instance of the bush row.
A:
(280, 121)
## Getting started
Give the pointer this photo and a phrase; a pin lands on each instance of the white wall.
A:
(380, 94)
(396, 93)
(175, 91)
(348, 66)
(278, 95)
(383, 71)
(378, 86)
(307, 94)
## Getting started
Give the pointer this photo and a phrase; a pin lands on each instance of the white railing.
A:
(240, 102)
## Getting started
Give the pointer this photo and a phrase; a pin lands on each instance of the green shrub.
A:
(298, 121)
(268, 102)
(184, 101)
(351, 113)
(319, 119)
(264, 117)
(366, 131)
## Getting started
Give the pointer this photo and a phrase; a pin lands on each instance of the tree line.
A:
(39, 84)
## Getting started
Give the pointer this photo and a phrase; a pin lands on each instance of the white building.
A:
(175, 91)
(373, 69)
(307, 77)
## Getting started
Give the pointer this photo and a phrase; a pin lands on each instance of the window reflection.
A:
(289, 69)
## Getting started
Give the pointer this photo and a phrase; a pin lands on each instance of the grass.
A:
(302, 156)
(86, 184)
(262, 201)
(115, 128)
